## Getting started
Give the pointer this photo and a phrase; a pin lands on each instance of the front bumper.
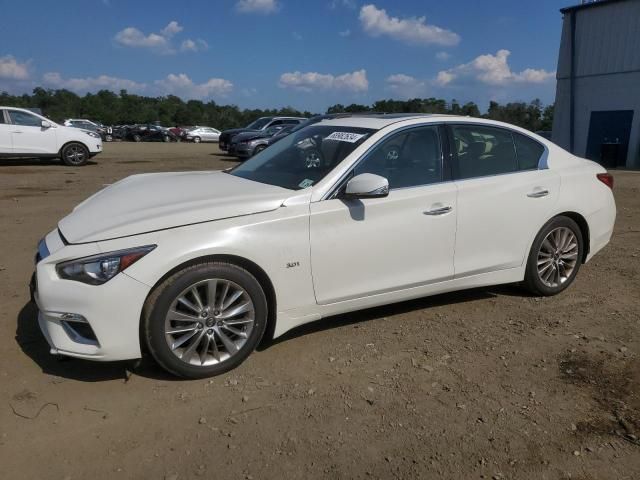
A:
(92, 322)
(242, 150)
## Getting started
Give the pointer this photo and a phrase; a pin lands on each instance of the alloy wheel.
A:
(75, 154)
(209, 322)
(557, 257)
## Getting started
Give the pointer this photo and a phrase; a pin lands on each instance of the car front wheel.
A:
(196, 140)
(555, 257)
(205, 320)
(75, 155)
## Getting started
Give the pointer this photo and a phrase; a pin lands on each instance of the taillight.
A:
(606, 178)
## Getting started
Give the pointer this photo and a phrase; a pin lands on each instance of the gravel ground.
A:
(488, 383)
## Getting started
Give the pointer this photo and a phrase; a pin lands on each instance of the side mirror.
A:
(367, 185)
(45, 124)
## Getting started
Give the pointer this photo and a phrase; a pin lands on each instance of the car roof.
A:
(379, 121)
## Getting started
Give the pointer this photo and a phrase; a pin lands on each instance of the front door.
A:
(366, 247)
(28, 135)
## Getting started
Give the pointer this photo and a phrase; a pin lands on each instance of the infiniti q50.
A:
(348, 213)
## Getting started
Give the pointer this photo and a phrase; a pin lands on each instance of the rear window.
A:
(529, 152)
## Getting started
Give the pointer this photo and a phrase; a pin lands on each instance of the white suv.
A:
(27, 134)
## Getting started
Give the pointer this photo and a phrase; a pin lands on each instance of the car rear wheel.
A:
(555, 257)
(166, 139)
(205, 320)
(137, 138)
(75, 154)
(196, 140)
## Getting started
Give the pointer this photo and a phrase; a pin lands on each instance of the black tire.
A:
(166, 139)
(74, 154)
(137, 138)
(533, 281)
(196, 140)
(160, 302)
(258, 149)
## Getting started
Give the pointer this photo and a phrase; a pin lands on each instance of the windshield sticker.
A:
(305, 183)
(345, 137)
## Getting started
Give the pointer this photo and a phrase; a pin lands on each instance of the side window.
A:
(24, 119)
(407, 159)
(276, 122)
(529, 152)
(2, 120)
(483, 151)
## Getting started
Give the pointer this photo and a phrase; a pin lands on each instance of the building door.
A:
(608, 141)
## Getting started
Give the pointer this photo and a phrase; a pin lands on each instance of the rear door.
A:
(504, 196)
(29, 137)
(5, 134)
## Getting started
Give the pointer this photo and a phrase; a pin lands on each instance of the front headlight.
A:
(93, 134)
(99, 269)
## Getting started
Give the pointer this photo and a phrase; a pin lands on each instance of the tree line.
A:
(124, 108)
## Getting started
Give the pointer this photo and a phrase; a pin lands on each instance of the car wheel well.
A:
(248, 265)
(584, 229)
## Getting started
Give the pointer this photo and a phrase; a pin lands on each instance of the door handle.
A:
(538, 194)
(17, 132)
(438, 211)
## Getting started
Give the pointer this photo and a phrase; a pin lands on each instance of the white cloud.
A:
(161, 42)
(263, 7)
(493, 70)
(11, 69)
(413, 30)
(132, 37)
(345, 33)
(91, 84)
(406, 86)
(342, 3)
(309, 81)
(182, 86)
(189, 45)
(444, 78)
(171, 29)
(443, 56)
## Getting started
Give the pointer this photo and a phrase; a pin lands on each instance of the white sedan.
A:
(345, 214)
(203, 134)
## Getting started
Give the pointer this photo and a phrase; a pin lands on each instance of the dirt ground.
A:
(489, 383)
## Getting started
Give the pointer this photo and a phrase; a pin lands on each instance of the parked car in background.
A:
(260, 124)
(203, 134)
(24, 134)
(149, 133)
(106, 133)
(344, 214)
(247, 144)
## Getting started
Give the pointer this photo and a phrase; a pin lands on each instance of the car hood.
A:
(251, 135)
(157, 201)
(236, 131)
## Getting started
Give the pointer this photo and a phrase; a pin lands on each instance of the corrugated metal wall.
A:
(607, 72)
(607, 40)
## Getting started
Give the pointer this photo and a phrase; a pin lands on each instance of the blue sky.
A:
(309, 54)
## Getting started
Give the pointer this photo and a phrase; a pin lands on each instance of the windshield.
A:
(259, 123)
(303, 158)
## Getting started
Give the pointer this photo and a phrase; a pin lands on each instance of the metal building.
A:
(597, 110)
